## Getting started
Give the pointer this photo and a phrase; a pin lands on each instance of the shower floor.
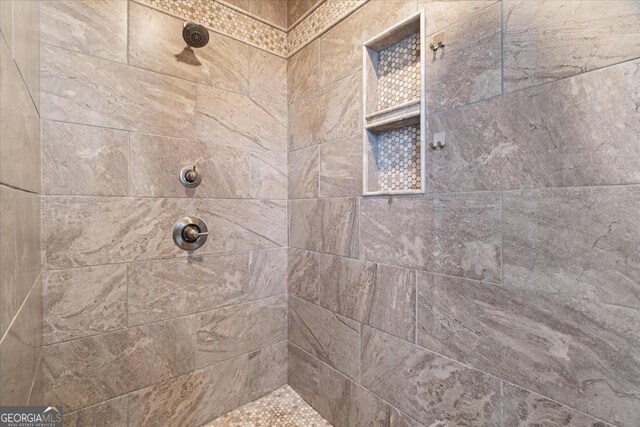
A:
(281, 408)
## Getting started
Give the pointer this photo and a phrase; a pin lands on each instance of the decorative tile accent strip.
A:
(227, 21)
(398, 159)
(233, 23)
(324, 17)
(399, 73)
(282, 408)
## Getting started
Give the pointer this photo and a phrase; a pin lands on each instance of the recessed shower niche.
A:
(394, 99)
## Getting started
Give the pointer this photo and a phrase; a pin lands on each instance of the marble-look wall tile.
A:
(324, 388)
(430, 388)
(574, 351)
(234, 119)
(297, 8)
(98, 28)
(84, 301)
(330, 337)
(189, 399)
(84, 89)
(469, 68)
(112, 413)
(579, 242)
(329, 114)
(442, 13)
(393, 304)
(19, 249)
(230, 331)
(267, 371)
(522, 408)
(268, 272)
(367, 409)
(268, 76)
(338, 399)
(458, 235)
(156, 43)
(19, 128)
(303, 274)
(20, 351)
(304, 173)
(325, 225)
(594, 34)
(302, 72)
(549, 136)
(36, 396)
(26, 45)
(84, 160)
(170, 288)
(156, 163)
(74, 232)
(90, 370)
(268, 174)
(6, 21)
(274, 11)
(205, 394)
(378, 295)
(341, 47)
(341, 168)
(242, 4)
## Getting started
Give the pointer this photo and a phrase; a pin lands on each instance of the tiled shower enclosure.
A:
(504, 291)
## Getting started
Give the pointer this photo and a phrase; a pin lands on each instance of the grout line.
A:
(502, 27)
(162, 74)
(127, 395)
(492, 376)
(479, 192)
(320, 144)
(12, 187)
(501, 238)
(348, 379)
(188, 257)
(166, 136)
(150, 197)
(128, 46)
(415, 314)
(501, 403)
(168, 319)
(19, 311)
(35, 376)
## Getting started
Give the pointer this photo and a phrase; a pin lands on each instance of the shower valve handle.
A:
(190, 176)
(191, 233)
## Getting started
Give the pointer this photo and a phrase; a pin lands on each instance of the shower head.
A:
(195, 34)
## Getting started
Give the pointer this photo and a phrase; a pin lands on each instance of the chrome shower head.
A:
(195, 34)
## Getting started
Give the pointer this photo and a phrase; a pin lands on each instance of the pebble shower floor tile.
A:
(281, 408)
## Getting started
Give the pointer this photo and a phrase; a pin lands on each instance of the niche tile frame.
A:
(393, 146)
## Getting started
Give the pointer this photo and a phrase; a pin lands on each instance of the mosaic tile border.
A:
(245, 27)
(317, 23)
(224, 20)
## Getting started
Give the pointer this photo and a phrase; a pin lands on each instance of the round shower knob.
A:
(190, 233)
(190, 176)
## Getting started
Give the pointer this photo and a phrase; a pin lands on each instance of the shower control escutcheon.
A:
(190, 176)
(190, 233)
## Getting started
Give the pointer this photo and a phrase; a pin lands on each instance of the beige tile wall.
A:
(127, 315)
(20, 278)
(508, 294)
